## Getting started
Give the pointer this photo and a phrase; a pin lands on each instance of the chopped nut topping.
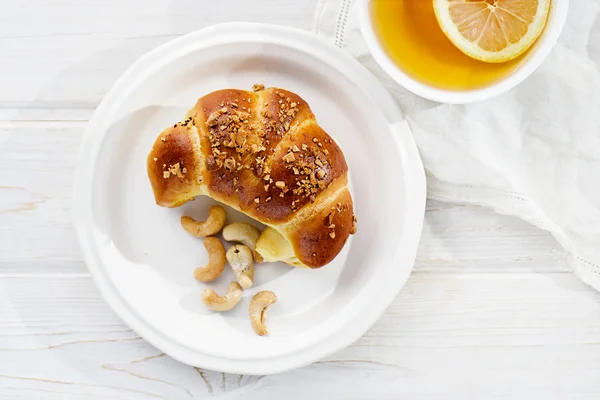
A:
(176, 170)
(164, 139)
(309, 165)
(332, 235)
(229, 127)
(213, 119)
(289, 157)
(257, 87)
(233, 138)
(229, 163)
(156, 159)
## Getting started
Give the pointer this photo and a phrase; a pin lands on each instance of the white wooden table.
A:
(491, 309)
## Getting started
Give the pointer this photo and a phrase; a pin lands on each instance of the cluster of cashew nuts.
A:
(241, 258)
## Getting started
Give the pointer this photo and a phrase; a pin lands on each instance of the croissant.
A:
(263, 154)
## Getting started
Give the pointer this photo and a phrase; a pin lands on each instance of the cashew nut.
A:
(258, 308)
(244, 233)
(240, 259)
(216, 261)
(213, 224)
(222, 303)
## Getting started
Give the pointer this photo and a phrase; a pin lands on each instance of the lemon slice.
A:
(492, 30)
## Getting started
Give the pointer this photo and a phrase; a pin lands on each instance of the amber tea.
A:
(410, 35)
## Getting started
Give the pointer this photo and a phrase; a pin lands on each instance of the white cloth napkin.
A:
(533, 152)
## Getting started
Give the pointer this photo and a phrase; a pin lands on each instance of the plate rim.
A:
(85, 167)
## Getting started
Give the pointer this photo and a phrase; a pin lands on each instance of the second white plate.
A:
(141, 259)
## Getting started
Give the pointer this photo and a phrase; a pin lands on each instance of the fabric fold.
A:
(533, 152)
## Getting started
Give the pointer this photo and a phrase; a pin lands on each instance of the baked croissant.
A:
(263, 154)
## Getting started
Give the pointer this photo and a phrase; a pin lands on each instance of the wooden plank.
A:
(459, 238)
(472, 322)
(470, 335)
(37, 162)
(65, 54)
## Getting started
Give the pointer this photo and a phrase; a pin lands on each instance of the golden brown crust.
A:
(173, 166)
(319, 239)
(264, 154)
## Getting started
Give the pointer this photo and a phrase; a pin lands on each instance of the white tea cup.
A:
(535, 56)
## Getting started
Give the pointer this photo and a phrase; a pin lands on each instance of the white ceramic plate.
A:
(142, 260)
